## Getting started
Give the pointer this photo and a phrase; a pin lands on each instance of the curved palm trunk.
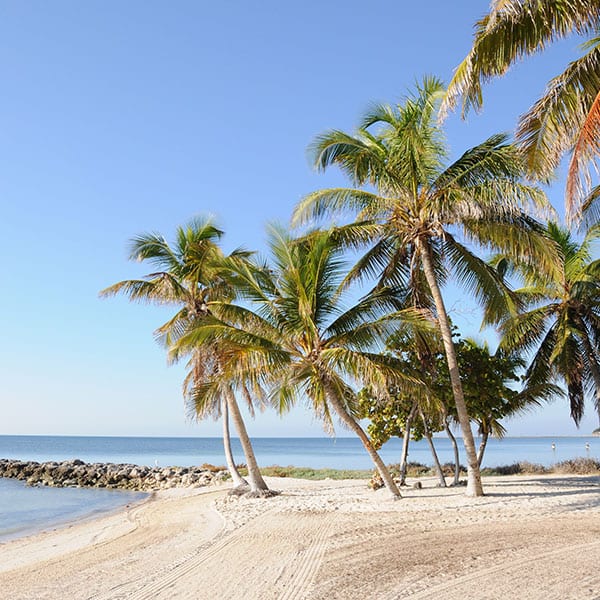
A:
(454, 449)
(474, 487)
(484, 440)
(238, 480)
(364, 438)
(257, 483)
(405, 442)
(436, 460)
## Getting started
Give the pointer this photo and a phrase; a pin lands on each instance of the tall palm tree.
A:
(418, 205)
(189, 276)
(295, 341)
(567, 116)
(562, 324)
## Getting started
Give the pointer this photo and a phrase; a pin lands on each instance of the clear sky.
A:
(123, 117)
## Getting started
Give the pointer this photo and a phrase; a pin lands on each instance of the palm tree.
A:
(296, 342)
(562, 325)
(189, 277)
(567, 116)
(417, 206)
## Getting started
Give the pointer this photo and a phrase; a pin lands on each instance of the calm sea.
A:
(23, 509)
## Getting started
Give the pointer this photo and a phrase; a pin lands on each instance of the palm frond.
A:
(482, 280)
(159, 288)
(512, 30)
(337, 202)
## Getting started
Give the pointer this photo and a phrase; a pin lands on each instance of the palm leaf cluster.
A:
(561, 326)
(567, 116)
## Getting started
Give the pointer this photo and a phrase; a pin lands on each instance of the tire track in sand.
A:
(295, 542)
(477, 575)
(306, 571)
(147, 587)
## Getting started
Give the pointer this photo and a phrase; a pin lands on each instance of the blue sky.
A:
(119, 118)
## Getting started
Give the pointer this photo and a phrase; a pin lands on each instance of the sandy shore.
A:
(529, 537)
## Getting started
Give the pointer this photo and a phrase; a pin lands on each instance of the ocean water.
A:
(24, 509)
(339, 453)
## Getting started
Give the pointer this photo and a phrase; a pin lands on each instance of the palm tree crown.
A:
(562, 325)
(190, 276)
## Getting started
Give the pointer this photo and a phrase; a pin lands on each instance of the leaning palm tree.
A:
(418, 205)
(293, 340)
(562, 324)
(189, 276)
(567, 116)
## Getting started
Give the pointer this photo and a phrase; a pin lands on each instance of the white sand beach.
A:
(530, 537)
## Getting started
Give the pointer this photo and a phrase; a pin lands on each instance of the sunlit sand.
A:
(529, 537)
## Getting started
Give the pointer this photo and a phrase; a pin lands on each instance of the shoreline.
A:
(320, 538)
(65, 521)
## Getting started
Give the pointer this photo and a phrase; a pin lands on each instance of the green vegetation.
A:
(315, 474)
(576, 466)
(560, 320)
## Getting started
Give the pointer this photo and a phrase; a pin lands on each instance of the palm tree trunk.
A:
(238, 480)
(436, 460)
(455, 450)
(484, 440)
(474, 487)
(257, 483)
(405, 442)
(387, 478)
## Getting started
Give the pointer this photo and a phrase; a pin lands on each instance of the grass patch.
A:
(308, 473)
(576, 466)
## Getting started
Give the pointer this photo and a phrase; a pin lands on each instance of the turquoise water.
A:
(25, 509)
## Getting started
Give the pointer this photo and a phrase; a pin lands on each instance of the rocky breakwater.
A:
(76, 473)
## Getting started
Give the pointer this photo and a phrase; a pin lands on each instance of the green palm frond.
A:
(567, 116)
(512, 30)
(590, 208)
(550, 127)
(361, 157)
(337, 202)
(159, 288)
(518, 236)
(372, 333)
(524, 331)
(153, 247)
(481, 280)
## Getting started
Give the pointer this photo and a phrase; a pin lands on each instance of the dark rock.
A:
(76, 473)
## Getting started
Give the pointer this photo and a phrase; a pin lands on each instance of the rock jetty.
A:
(76, 473)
